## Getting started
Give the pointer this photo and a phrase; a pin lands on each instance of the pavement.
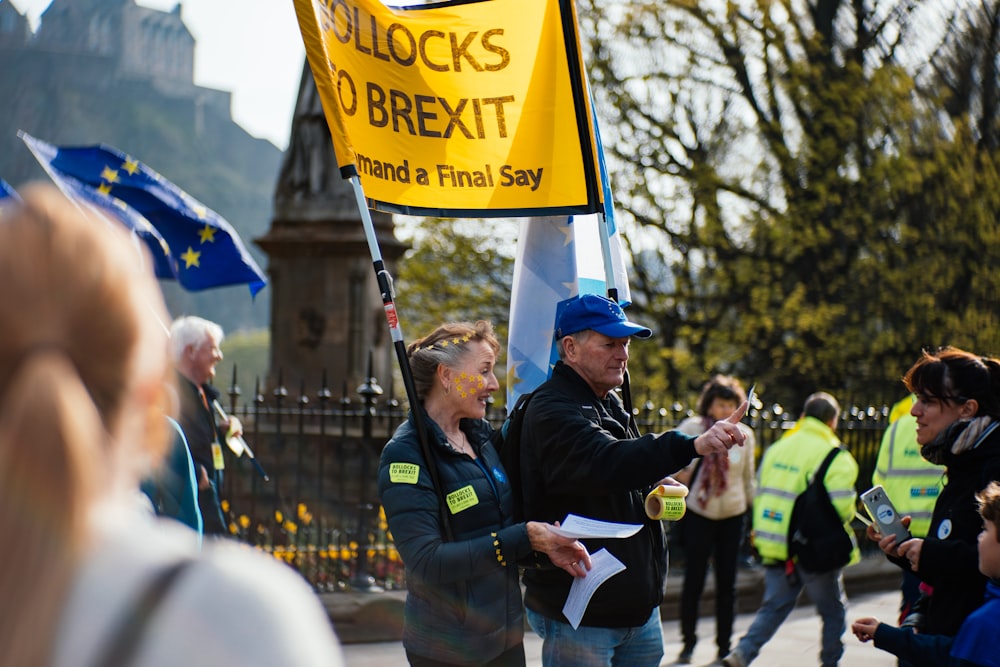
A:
(795, 644)
(368, 623)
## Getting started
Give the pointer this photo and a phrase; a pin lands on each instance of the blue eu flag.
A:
(164, 265)
(7, 195)
(202, 250)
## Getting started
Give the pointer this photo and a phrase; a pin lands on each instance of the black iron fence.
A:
(318, 508)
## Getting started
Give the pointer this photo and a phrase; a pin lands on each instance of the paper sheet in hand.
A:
(578, 527)
(603, 567)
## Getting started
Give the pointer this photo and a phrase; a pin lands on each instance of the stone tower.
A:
(326, 310)
(145, 43)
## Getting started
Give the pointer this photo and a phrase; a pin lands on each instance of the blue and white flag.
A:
(545, 277)
(557, 258)
(615, 249)
(202, 249)
(590, 259)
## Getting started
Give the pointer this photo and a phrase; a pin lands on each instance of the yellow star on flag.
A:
(104, 188)
(191, 258)
(131, 166)
(207, 234)
(110, 175)
(513, 379)
(567, 232)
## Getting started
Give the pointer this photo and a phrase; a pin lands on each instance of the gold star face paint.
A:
(466, 384)
(473, 380)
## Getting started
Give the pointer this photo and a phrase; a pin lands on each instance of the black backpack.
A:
(816, 534)
(507, 441)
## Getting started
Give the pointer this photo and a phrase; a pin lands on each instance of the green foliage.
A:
(803, 213)
(457, 270)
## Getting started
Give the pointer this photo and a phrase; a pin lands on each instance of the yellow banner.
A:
(455, 110)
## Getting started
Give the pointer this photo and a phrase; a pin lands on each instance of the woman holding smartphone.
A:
(957, 409)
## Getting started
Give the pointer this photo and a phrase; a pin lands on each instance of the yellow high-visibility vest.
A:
(912, 483)
(784, 473)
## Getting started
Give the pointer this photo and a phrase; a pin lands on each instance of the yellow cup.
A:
(666, 502)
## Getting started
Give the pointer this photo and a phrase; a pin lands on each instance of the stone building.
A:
(15, 31)
(117, 40)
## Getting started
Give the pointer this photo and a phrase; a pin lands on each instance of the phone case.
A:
(884, 514)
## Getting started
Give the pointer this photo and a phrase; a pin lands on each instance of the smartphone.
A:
(886, 518)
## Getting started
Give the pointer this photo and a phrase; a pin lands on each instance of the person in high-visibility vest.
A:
(784, 474)
(911, 482)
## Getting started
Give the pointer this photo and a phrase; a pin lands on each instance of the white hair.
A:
(191, 330)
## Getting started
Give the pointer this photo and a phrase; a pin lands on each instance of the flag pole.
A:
(604, 231)
(319, 63)
(395, 331)
(595, 175)
(57, 181)
(609, 269)
(89, 212)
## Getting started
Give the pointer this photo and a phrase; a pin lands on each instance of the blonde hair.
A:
(446, 345)
(79, 350)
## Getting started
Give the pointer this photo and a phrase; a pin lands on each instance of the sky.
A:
(251, 48)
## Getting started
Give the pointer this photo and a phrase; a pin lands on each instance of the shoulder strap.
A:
(627, 403)
(825, 465)
(120, 649)
(508, 444)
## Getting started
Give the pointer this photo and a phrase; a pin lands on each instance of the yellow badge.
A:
(217, 462)
(462, 499)
(404, 473)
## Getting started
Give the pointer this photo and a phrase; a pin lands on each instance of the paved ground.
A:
(795, 645)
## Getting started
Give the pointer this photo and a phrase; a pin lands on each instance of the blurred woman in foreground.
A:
(84, 386)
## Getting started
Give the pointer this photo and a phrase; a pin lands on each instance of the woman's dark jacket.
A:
(464, 603)
(949, 559)
(580, 454)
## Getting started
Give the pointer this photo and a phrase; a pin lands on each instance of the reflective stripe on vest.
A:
(911, 482)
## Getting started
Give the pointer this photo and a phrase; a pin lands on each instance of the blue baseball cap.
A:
(592, 311)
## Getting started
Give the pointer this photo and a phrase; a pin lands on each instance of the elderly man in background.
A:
(194, 344)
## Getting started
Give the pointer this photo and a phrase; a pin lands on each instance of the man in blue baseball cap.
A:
(581, 453)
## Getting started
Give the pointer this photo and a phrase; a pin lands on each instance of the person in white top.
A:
(86, 579)
(722, 488)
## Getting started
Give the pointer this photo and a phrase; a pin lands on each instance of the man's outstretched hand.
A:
(723, 434)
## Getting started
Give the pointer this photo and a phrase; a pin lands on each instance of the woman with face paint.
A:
(463, 605)
(957, 409)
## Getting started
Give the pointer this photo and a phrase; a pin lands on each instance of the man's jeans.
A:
(826, 591)
(587, 646)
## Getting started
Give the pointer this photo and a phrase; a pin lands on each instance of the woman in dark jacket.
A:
(958, 426)
(463, 605)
